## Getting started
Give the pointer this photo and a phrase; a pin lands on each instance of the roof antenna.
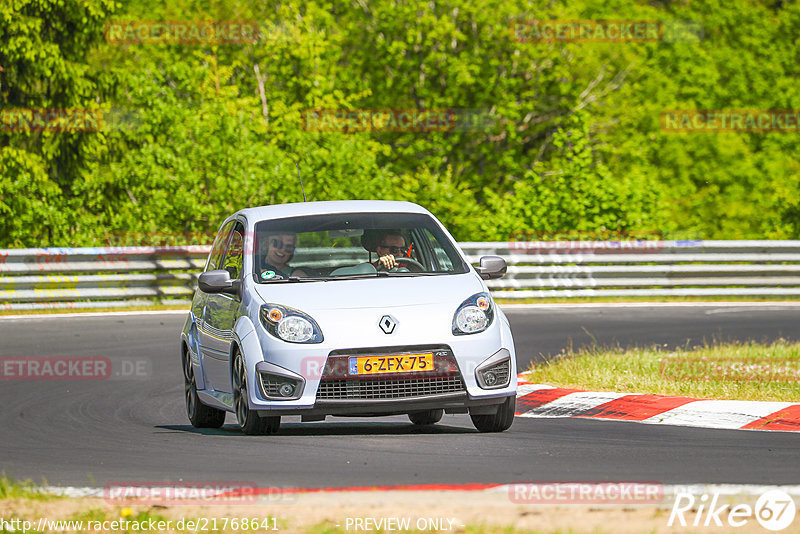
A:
(301, 182)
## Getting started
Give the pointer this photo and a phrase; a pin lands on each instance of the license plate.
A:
(400, 363)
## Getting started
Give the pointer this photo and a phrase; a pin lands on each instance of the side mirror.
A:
(492, 267)
(218, 281)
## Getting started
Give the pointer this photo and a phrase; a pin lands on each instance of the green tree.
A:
(43, 53)
(573, 190)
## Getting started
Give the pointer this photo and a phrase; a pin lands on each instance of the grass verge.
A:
(11, 488)
(330, 528)
(740, 371)
(78, 311)
(336, 513)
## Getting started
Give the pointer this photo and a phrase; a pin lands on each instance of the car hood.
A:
(372, 293)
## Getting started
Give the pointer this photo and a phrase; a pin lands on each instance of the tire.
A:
(428, 417)
(498, 422)
(200, 415)
(249, 421)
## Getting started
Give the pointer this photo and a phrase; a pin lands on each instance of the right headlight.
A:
(290, 325)
(473, 315)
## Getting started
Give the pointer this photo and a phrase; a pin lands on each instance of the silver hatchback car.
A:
(345, 308)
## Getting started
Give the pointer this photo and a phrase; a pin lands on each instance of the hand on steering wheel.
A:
(402, 261)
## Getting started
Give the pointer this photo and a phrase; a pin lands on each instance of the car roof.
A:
(299, 209)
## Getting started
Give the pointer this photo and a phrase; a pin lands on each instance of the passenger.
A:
(279, 252)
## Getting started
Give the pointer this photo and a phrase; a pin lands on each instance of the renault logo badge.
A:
(387, 324)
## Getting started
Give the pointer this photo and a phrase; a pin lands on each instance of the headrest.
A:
(371, 239)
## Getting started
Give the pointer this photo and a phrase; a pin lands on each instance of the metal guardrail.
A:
(98, 277)
(131, 276)
(539, 269)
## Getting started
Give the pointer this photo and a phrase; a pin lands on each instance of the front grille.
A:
(370, 389)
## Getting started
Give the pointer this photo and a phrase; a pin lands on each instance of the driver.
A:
(391, 245)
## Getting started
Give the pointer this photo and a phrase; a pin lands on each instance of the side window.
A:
(219, 247)
(417, 245)
(234, 256)
(442, 259)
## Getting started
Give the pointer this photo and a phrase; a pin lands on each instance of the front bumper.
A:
(450, 403)
(309, 363)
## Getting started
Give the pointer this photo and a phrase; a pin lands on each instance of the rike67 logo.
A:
(774, 510)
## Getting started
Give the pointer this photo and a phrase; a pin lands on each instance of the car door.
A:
(206, 339)
(214, 259)
(219, 316)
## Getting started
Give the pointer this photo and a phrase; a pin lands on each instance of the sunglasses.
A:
(280, 245)
(396, 251)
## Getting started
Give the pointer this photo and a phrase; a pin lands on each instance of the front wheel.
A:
(200, 415)
(248, 420)
(499, 421)
(428, 417)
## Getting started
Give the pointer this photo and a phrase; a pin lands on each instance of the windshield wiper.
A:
(291, 279)
(411, 273)
(354, 276)
(383, 274)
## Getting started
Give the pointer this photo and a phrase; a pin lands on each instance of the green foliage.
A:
(28, 202)
(43, 54)
(11, 488)
(572, 190)
(572, 140)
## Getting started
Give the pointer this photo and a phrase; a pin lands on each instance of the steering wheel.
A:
(409, 263)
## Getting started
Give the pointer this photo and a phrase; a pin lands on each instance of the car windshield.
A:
(352, 245)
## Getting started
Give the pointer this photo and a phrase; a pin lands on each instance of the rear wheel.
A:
(248, 420)
(498, 422)
(200, 415)
(428, 417)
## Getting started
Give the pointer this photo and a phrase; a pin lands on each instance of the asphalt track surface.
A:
(90, 433)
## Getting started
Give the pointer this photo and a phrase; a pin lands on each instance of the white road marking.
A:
(526, 389)
(566, 305)
(573, 403)
(743, 309)
(717, 413)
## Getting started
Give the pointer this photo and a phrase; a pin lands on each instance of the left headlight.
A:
(473, 315)
(289, 324)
